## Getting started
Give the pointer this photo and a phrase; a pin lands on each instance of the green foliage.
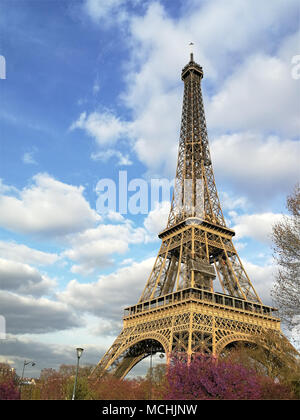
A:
(158, 373)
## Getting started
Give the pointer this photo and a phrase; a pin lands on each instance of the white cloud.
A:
(256, 226)
(105, 11)
(259, 95)
(229, 33)
(262, 279)
(23, 278)
(106, 297)
(27, 314)
(114, 216)
(95, 254)
(127, 261)
(45, 353)
(7, 188)
(28, 158)
(24, 254)
(96, 87)
(105, 155)
(104, 127)
(47, 207)
(95, 248)
(240, 245)
(156, 133)
(156, 221)
(257, 165)
(230, 202)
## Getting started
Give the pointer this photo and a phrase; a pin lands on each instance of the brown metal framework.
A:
(179, 311)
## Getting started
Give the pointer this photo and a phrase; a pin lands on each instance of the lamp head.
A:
(79, 352)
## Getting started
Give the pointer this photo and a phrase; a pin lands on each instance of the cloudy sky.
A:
(92, 90)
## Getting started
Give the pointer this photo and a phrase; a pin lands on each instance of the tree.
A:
(9, 391)
(286, 245)
(155, 382)
(52, 385)
(277, 355)
(209, 378)
(111, 388)
(271, 356)
(47, 373)
(158, 373)
(8, 383)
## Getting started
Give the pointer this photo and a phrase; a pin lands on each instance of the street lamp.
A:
(151, 378)
(161, 356)
(25, 364)
(79, 353)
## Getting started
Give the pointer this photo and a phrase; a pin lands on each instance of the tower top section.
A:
(192, 67)
(195, 193)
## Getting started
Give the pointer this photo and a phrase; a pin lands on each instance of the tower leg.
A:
(128, 349)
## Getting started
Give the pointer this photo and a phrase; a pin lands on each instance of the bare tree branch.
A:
(286, 246)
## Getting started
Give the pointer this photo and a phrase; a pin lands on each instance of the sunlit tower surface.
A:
(179, 309)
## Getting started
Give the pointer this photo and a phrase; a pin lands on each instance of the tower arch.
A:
(132, 352)
(234, 339)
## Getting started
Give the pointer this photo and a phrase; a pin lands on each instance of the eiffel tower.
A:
(179, 309)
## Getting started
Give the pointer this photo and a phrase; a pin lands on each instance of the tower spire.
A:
(191, 45)
(195, 192)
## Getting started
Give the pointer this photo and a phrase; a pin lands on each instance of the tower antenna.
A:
(191, 45)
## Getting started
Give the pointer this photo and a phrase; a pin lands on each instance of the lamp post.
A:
(161, 356)
(25, 364)
(79, 353)
(151, 378)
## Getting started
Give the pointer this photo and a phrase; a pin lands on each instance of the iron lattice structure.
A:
(179, 311)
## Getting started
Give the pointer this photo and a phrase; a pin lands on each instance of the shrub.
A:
(208, 378)
(9, 391)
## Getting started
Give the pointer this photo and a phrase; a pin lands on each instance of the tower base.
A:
(188, 321)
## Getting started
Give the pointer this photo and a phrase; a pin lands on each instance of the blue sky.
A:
(93, 88)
